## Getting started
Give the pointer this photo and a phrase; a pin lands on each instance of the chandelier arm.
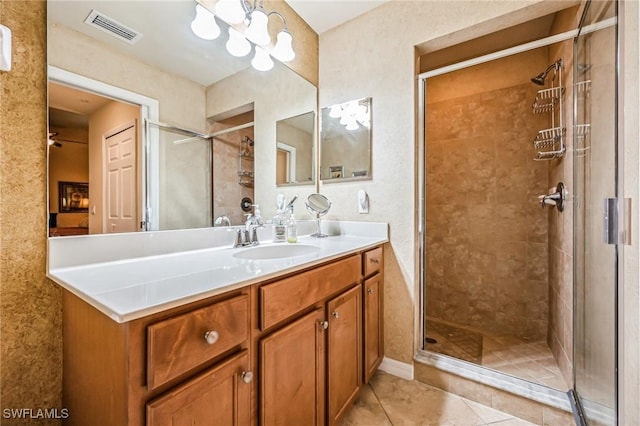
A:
(284, 21)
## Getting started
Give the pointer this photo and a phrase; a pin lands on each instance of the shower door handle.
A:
(617, 221)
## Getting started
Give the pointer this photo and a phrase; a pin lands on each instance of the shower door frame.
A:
(478, 373)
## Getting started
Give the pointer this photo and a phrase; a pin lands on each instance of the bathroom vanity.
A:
(283, 341)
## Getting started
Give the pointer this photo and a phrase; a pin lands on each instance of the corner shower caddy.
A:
(549, 143)
(245, 158)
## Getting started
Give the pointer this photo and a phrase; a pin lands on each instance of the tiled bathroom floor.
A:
(389, 400)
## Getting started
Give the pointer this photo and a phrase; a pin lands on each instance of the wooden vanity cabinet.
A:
(160, 369)
(344, 352)
(372, 290)
(312, 339)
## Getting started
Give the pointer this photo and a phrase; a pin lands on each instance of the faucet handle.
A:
(238, 242)
(254, 236)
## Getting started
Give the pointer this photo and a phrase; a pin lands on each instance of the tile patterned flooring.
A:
(531, 361)
(390, 400)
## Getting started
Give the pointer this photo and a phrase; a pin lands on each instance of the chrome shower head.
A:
(539, 79)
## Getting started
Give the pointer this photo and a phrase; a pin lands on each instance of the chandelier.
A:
(352, 114)
(248, 23)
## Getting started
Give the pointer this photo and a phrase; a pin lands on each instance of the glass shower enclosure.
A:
(596, 207)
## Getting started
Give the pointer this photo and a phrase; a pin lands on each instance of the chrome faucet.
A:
(249, 236)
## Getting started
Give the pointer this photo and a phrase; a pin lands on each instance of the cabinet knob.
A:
(370, 290)
(375, 260)
(247, 376)
(211, 337)
(324, 324)
(335, 314)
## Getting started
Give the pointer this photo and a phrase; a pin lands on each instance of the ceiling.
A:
(322, 15)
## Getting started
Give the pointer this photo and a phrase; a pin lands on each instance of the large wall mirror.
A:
(209, 121)
(345, 141)
(294, 149)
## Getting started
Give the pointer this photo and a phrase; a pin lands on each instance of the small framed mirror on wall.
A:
(345, 141)
(295, 145)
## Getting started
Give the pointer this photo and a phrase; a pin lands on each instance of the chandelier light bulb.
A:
(335, 112)
(352, 125)
(283, 51)
(230, 11)
(237, 45)
(262, 61)
(258, 31)
(204, 24)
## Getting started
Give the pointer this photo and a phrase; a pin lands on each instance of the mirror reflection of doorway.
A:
(79, 124)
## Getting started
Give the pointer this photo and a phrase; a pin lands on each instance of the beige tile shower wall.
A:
(560, 334)
(486, 233)
(227, 192)
(30, 305)
(373, 55)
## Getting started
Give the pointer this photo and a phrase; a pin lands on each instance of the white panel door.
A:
(120, 180)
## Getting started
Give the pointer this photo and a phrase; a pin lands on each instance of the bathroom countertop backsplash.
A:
(128, 276)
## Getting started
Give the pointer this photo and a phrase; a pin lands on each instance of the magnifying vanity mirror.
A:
(295, 140)
(197, 126)
(319, 205)
(345, 141)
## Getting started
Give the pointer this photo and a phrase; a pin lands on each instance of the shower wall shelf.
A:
(547, 99)
(583, 88)
(245, 167)
(549, 143)
(582, 139)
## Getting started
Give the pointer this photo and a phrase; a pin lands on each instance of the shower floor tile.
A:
(532, 361)
(389, 400)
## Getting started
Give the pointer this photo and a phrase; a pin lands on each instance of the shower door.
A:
(595, 216)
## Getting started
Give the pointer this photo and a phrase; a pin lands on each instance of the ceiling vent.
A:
(113, 27)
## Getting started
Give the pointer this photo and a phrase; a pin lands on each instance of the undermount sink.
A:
(278, 251)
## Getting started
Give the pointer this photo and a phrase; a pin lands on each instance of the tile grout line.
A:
(380, 403)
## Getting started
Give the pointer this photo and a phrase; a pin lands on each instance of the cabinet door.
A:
(344, 347)
(220, 395)
(373, 331)
(292, 373)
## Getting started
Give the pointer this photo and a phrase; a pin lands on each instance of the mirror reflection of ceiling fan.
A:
(54, 140)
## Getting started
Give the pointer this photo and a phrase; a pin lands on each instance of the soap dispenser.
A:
(279, 228)
(292, 231)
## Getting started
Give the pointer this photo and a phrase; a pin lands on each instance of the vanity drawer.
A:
(176, 345)
(284, 298)
(372, 261)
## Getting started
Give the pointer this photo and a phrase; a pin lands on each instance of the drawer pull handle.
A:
(370, 290)
(335, 314)
(374, 260)
(211, 337)
(247, 376)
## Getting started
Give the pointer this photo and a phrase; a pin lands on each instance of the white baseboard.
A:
(397, 368)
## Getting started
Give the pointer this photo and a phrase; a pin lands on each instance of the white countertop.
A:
(153, 277)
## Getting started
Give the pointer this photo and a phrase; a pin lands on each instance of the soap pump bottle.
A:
(279, 228)
(292, 231)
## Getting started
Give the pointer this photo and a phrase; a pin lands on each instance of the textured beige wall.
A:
(30, 310)
(487, 261)
(379, 61)
(181, 101)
